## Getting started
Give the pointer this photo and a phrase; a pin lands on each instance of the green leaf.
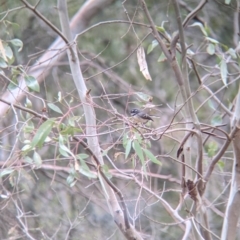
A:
(42, 132)
(138, 150)
(152, 46)
(15, 25)
(18, 43)
(84, 169)
(211, 49)
(162, 58)
(5, 172)
(151, 157)
(160, 29)
(13, 84)
(71, 180)
(8, 52)
(32, 83)
(105, 170)
(28, 103)
(102, 182)
(3, 64)
(198, 24)
(69, 130)
(128, 148)
(64, 150)
(211, 104)
(212, 40)
(26, 148)
(224, 71)
(232, 53)
(29, 128)
(143, 96)
(82, 156)
(71, 121)
(55, 108)
(37, 159)
(125, 140)
(87, 173)
(227, 1)
(221, 165)
(27, 159)
(212, 148)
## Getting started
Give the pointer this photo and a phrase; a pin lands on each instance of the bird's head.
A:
(134, 111)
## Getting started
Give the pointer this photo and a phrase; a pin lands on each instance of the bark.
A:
(232, 211)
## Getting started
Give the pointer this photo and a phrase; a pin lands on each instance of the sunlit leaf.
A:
(227, 1)
(55, 108)
(32, 83)
(42, 132)
(18, 43)
(151, 157)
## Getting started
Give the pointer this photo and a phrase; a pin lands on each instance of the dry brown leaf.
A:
(143, 63)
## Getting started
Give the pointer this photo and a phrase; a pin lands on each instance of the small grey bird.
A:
(140, 116)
